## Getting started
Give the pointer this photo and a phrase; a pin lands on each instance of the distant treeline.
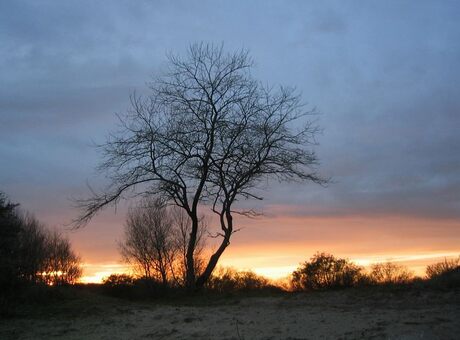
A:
(155, 245)
(31, 254)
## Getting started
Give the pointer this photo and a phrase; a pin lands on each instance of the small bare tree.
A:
(149, 240)
(155, 241)
(208, 135)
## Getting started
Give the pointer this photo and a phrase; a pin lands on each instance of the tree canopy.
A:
(207, 135)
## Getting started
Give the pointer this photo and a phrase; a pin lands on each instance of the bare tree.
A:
(156, 239)
(149, 242)
(206, 136)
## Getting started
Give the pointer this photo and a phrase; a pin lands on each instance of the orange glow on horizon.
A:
(274, 246)
(95, 273)
(415, 262)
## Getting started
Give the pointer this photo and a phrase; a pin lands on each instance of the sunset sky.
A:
(384, 76)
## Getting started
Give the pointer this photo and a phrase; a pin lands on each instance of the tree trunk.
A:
(190, 267)
(204, 277)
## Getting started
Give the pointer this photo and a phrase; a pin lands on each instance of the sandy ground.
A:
(329, 315)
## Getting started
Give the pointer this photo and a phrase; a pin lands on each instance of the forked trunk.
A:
(204, 277)
(228, 230)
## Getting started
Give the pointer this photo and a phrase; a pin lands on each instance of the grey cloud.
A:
(384, 75)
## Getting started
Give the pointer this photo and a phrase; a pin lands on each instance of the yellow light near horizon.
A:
(96, 273)
(98, 277)
(275, 273)
(401, 258)
(281, 272)
(272, 251)
(417, 262)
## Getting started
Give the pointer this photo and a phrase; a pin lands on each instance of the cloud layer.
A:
(384, 76)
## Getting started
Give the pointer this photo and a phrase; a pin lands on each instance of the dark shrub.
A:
(120, 285)
(127, 286)
(324, 271)
(390, 273)
(448, 279)
(444, 274)
(440, 268)
(118, 280)
(228, 280)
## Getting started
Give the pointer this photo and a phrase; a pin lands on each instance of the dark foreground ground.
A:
(370, 313)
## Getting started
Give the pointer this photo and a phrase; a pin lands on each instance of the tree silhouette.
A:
(30, 254)
(155, 241)
(61, 265)
(148, 243)
(10, 228)
(207, 135)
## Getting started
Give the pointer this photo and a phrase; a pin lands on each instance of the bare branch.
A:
(208, 134)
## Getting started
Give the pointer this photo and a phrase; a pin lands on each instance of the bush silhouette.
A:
(441, 268)
(119, 285)
(324, 271)
(390, 273)
(117, 280)
(128, 286)
(227, 280)
(445, 274)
